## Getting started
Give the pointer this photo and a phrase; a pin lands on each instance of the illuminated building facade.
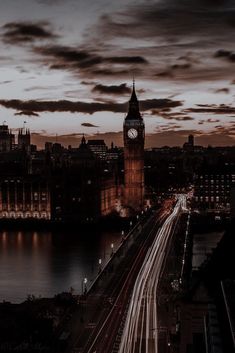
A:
(134, 137)
(27, 197)
(98, 147)
(213, 190)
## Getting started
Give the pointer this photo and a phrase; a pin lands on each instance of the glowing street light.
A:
(85, 287)
(123, 235)
(112, 246)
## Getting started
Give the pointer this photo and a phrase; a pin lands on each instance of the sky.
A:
(66, 68)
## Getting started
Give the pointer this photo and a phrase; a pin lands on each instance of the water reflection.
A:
(46, 263)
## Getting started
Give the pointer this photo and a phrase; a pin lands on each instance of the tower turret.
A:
(24, 139)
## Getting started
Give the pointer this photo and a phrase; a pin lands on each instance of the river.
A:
(45, 263)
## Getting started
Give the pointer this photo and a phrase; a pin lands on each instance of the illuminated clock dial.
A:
(132, 133)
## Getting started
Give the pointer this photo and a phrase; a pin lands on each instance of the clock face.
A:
(132, 133)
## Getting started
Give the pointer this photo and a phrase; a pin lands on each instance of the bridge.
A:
(119, 312)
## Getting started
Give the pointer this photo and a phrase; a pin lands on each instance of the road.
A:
(106, 304)
(140, 333)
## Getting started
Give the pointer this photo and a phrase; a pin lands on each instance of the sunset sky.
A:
(66, 68)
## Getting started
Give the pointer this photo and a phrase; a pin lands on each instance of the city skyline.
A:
(67, 68)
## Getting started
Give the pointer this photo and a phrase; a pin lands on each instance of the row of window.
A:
(211, 199)
(215, 187)
(21, 208)
(42, 215)
(217, 176)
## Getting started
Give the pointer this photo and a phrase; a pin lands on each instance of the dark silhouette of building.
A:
(98, 147)
(7, 139)
(24, 139)
(134, 136)
(189, 145)
(83, 188)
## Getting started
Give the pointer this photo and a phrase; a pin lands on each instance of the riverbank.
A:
(104, 223)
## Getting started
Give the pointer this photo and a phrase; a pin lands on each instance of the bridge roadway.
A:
(96, 325)
(140, 334)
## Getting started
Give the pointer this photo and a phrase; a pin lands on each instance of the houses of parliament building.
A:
(73, 184)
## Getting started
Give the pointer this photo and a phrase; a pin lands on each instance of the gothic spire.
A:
(133, 112)
(83, 142)
(133, 95)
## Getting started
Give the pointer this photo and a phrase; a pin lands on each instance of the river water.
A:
(45, 263)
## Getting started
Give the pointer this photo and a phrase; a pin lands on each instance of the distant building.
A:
(98, 147)
(24, 140)
(84, 190)
(191, 140)
(113, 153)
(213, 189)
(232, 206)
(7, 139)
(189, 145)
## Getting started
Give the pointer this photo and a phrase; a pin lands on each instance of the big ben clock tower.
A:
(133, 131)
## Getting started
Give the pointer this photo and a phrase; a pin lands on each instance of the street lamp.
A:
(85, 283)
(137, 217)
(100, 265)
(112, 246)
(123, 235)
(130, 223)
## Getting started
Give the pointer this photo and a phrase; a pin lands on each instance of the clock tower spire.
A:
(133, 133)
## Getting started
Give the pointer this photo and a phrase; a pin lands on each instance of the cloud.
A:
(223, 90)
(181, 66)
(178, 116)
(167, 127)
(89, 125)
(65, 55)
(19, 32)
(111, 72)
(116, 90)
(168, 30)
(27, 112)
(223, 53)
(126, 60)
(5, 82)
(215, 109)
(84, 107)
(88, 83)
(87, 61)
(170, 18)
(210, 121)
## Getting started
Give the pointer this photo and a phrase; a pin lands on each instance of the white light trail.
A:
(140, 334)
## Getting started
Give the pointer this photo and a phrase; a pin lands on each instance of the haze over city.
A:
(67, 69)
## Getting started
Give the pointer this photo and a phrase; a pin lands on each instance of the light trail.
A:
(140, 334)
